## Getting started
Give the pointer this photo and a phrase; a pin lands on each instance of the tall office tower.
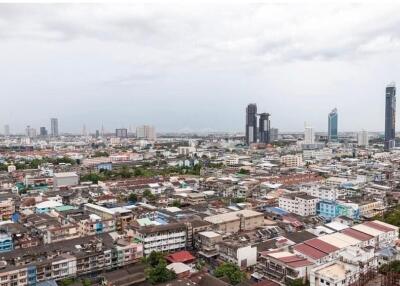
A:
(7, 130)
(251, 123)
(54, 127)
(97, 133)
(121, 133)
(264, 128)
(362, 138)
(390, 117)
(146, 132)
(84, 130)
(30, 132)
(43, 131)
(274, 134)
(333, 125)
(309, 137)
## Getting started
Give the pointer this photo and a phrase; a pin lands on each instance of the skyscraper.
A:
(54, 127)
(309, 137)
(274, 132)
(251, 123)
(7, 130)
(264, 128)
(43, 131)
(30, 132)
(146, 132)
(121, 132)
(390, 116)
(362, 138)
(333, 125)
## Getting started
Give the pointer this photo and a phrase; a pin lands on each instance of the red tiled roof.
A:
(299, 263)
(377, 226)
(321, 245)
(291, 258)
(309, 251)
(357, 234)
(181, 256)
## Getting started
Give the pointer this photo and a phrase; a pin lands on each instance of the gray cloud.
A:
(206, 60)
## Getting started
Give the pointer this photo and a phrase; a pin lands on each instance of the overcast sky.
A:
(195, 67)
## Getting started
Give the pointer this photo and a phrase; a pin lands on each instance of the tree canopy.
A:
(230, 271)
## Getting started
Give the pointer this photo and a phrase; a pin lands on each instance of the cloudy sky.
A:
(194, 67)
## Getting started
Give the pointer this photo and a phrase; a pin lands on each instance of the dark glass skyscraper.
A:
(390, 117)
(251, 123)
(264, 128)
(333, 125)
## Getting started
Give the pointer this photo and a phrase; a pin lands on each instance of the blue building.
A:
(331, 209)
(333, 125)
(327, 209)
(6, 242)
(390, 117)
(104, 166)
(32, 275)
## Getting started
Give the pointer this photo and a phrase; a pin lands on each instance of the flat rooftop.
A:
(232, 216)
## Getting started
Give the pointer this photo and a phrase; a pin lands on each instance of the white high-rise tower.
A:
(309, 137)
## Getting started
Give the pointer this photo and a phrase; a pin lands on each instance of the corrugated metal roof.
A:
(321, 245)
(309, 251)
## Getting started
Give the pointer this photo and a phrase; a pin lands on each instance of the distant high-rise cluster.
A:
(333, 125)
(390, 117)
(121, 133)
(146, 132)
(252, 131)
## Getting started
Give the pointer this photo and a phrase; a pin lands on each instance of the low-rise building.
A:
(237, 221)
(299, 203)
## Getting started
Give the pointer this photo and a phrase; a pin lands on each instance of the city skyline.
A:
(348, 57)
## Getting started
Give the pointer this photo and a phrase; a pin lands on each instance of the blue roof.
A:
(276, 210)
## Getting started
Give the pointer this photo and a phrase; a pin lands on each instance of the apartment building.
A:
(240, 253)
(7, 207)
(283, 266)
(60, 233)
(165, 238)
(93, 224)
(206, 243)
(72, 258)
(237, 221)
(292, 161)
(299, 203)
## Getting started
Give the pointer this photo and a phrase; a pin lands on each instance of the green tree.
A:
(176, 203)
(160, 273)
(154, 258)
(125, 172)
(149, 196)
(393, 266)
(132, 198)
(100, 154)
(138, 172)
(230, 271)
(93, 177)
(67, 282)
(86, 282)
(391, 217)
(244, 171)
